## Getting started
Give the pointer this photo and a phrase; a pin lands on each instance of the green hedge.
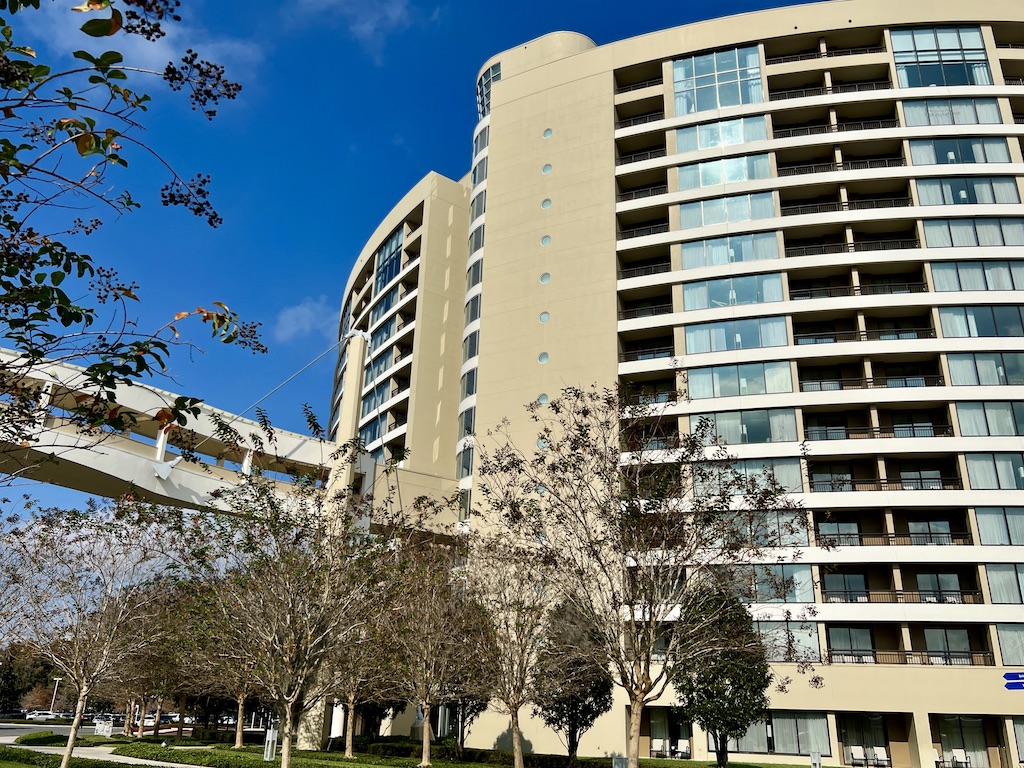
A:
(212, 758)
(42, 760)
(214, 736)
(51, 739)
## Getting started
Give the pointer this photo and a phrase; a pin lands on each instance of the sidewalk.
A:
(93, 753)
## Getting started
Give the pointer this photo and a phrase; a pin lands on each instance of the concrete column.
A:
(313, 727)
(161, 444)
(921, 741)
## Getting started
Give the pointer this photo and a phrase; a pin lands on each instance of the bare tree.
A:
(88, 580)
(635, 516)
(512, 587)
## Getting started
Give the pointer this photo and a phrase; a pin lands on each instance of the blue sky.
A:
(345, 105)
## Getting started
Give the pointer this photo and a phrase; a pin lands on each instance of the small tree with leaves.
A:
(572, 687)
(726, 692)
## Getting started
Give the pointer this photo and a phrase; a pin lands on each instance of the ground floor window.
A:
(784, 733)
(1018, 730)
(670, 736)
(967, 734)
(861, 730)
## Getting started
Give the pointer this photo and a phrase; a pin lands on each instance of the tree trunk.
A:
(240, 722)
(721, 749)
(286, 736)
(156, 718)
(181, 716)
(460, 718)
(636, 710)
(129, 711)
(425, 757)
(517, 738)
(83, 696)
(350, 726)
(142, 717)
(572, 736)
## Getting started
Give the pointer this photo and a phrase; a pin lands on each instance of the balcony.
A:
(639, 194)
(638, 157)
(835, 337)
(800, 93)
(889, 382)
(863, 433)
(842, 485)
(813, 130)
(852, 205)
(811, 55)
(649, 269)
(864, 245)
(649, 117)
(966, 597)
(830, 292)
(1014, 80)
(849, 165)
(647, 311)
(895, 539)
(927, 658)
(651, 353)
(649, 229)
(639, 86)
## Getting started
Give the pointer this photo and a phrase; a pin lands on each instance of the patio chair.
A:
(939, 762)
(857, 756)
(658, 748)
(961, 758)
(682, 750)
(880, 757)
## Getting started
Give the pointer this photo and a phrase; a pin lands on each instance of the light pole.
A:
(56, 685)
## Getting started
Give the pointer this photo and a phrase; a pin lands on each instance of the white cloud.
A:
(368, 21)
(307, 318)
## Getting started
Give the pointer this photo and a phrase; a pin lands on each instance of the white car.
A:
(41, 714)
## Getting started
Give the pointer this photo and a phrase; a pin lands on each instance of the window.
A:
(466, 422)
(975, 149)
(785, 733)
(725, 133)
(481, 140)
(942, 56)
(981, 322)
(476, 239)
(483, 90)
(382, 334)
(389, 260)
(722, 210)
(983, 419)
(846, 588)
(996, 471)
(732, 291)
(373, 399)
(1001, 526)
(478, 206)
(840, 533)
(789, 640)
(978, 276)
(986, 368)
(720, 79)
(967, 191)
(787, 583)
(377, 367)
(1011, 643)
(464, 463)
(787, 473)
(480, 171)
(730, 250)
(724, 171)
(752, 333)
(468, 385)
(966, 733)
(734, 380)
(474, 274)
(948, 645)
(777, 425)
(1006, 582)
(471, 346)
(373, 430)
(959, 233)
(473, 309)
(383, 305)
(952, 112)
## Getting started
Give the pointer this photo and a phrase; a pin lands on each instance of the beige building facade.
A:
(810, 219)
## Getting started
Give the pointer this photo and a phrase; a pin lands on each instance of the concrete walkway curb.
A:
(93, 753)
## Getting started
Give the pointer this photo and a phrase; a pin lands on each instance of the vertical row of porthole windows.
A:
(545, 277)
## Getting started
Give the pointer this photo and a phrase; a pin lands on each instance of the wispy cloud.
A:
(368, 21)
(310, 317)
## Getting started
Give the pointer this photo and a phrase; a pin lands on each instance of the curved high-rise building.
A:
(811, 219)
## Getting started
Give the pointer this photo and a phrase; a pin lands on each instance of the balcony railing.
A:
(639, 194)
(637, 157)
(649, 117)
(971, 597)
(861, 433)
(930, 658)
(651, 269)
(889, 382)
(849, 165)
(1014, 80)
(800, 93)
(651, 311)
(835, 337)
(832, 291)
(813, 130)
(653, 353)
(638, 86)
(863, 245)
(1018, 46)
(894, 539)
(811, 55)
(852, 205)
(841, 485)
(650, 229)
(1018, 119)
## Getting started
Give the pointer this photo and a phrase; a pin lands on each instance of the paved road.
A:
(9, 732)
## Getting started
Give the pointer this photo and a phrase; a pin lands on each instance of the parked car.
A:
(41, 714)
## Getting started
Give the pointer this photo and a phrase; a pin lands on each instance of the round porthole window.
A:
(545, 316)
(542, 443)
(548, 133)
(545, 203)
(546, 240)
(543, 398)
(547, 168)
(543, 358)
(545, 278)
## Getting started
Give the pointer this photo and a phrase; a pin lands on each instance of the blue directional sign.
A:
(1014, 681)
